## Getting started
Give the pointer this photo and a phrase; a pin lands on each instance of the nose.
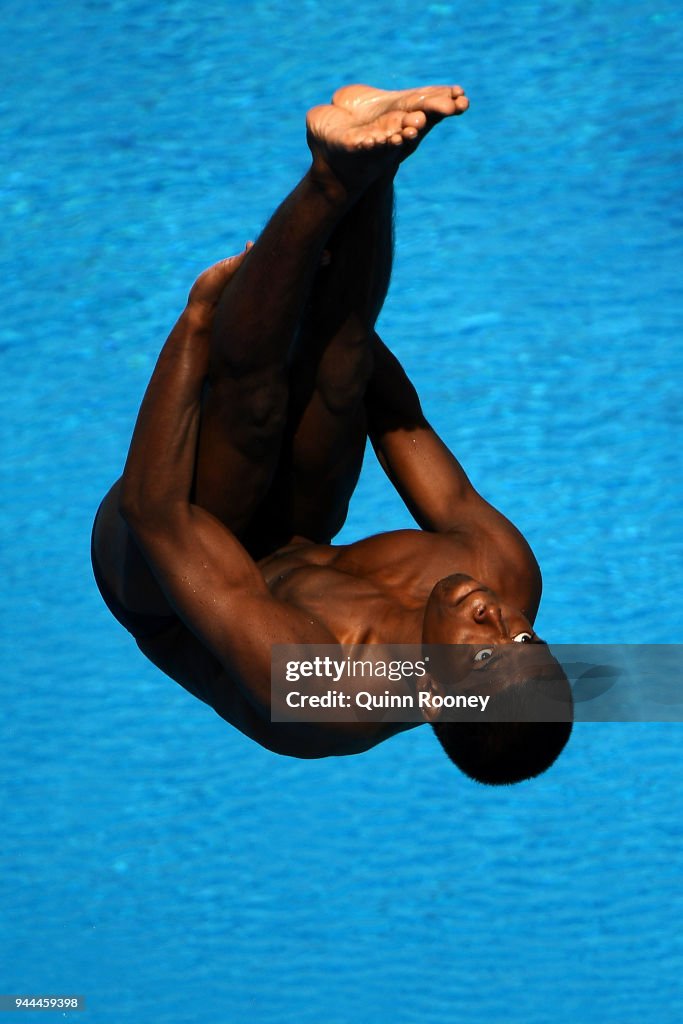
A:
(485, 610)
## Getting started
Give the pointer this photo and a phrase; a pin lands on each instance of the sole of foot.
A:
(367, 132)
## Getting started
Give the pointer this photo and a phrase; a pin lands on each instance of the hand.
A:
(209, 286)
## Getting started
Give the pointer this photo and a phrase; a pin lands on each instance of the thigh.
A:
(324, 439)
(240, 442)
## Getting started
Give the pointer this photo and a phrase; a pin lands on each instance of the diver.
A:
(216, 543)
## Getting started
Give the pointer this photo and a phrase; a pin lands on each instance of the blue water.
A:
(155, 861)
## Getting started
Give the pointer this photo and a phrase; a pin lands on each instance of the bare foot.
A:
(366, 132)
(437, 101)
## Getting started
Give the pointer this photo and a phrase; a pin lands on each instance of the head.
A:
(478, 645)
(461, 610)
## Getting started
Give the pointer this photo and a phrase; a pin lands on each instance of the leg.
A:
(246, 400)
(326, 432)
(354, 144)
(325, 435)
(246, 404)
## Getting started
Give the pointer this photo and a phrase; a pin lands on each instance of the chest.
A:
(351, 607)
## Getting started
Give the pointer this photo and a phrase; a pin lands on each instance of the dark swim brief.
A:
(141, 625)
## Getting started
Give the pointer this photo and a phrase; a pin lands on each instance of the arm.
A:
(205, 573)
(436, 488)
(430, 480)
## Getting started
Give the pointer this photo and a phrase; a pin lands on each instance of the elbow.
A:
(147, 518)
(130, 506)
(135, 507)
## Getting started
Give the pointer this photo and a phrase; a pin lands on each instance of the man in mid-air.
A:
(216, 542)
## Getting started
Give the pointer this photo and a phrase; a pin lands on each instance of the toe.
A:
(414, 119)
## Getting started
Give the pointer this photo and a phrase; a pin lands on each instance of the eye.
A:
(523, 638)
(484, 654)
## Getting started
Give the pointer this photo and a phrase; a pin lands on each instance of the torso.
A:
(372, 591)
(334, 587)
(371, 578)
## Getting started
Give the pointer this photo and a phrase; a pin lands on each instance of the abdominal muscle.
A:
(347, 605)
(362, 592)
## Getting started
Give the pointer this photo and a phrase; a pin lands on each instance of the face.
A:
(476, 637)
(461, 610)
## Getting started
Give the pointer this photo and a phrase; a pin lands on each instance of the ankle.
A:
(329, 185)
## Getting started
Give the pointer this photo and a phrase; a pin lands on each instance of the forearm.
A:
(160, 465)
(161, 460)
(426, 474)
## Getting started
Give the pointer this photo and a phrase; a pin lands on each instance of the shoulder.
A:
(499, 554)
(396, 541)
(389, 553)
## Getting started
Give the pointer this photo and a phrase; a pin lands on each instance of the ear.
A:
(430, 688)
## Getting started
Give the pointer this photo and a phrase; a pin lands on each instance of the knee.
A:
(265, 405)
(256, 407)
(344, 373)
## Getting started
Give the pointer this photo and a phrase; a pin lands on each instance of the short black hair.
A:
(515, 745)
